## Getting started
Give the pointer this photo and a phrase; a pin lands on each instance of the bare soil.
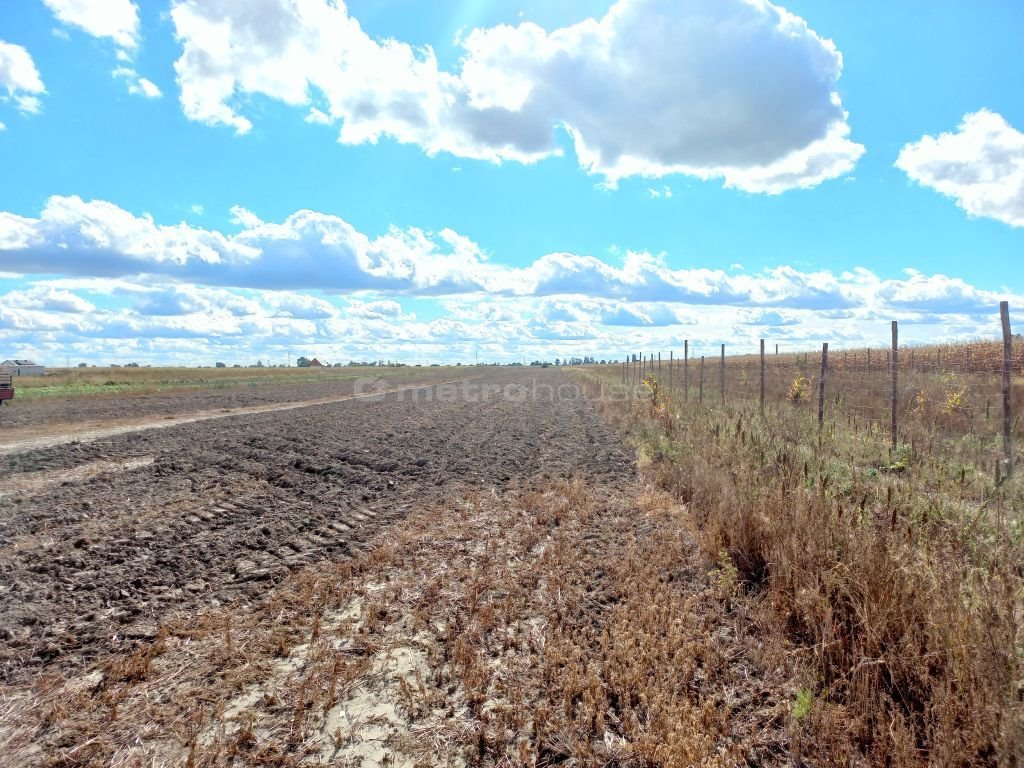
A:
(209, 512)
(471, 574)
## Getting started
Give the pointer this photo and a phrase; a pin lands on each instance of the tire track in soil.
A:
(228, 507)
(22, 484)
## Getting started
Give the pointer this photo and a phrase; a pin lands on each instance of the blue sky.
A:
(190, 182)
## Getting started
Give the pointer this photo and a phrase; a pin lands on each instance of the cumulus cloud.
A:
(244, 217)
(740, 90)
(980, 165)
(48, 299)
(137, 85)
(383, 309)
(309, 250)
(19, 78)
(114, 19)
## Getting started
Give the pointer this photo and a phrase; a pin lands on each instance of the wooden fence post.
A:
(821, 385)
(701, 397)
(762, 377)
(686, 370)
(659, 368)
(1004, 315)
(721, 376)
(895, 380)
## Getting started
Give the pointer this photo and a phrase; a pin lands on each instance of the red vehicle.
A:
(6, 387)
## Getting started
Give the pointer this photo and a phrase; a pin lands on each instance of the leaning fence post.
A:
(701, 397)
(762, 377)
(686, 370)
(821, 385)
(1004, 315)
(895, 379)
(721, 376)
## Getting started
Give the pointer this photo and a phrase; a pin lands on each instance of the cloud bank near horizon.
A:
(89, 278)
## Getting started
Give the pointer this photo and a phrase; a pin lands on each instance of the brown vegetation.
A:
(896, 576)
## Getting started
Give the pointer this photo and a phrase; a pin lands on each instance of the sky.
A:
(193, 181)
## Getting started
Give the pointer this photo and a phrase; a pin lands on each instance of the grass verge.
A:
(896, 580)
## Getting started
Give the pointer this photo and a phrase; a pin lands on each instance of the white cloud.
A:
(180, 323)
(48, 299)
(20, 78)
(137, 85)
(3, 127)
(244, 217)
(116, 19)
(386, 308)
(311, 251)
(740, 90)
(981, 166)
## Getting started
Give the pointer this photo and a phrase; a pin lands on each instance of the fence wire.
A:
(949, 397)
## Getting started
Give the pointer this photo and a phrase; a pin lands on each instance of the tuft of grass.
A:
(802, 705)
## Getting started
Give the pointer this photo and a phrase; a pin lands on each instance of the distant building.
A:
(314, 363)
(22, 368)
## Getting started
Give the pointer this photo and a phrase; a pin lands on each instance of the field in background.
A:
(949, 398)
(65, 382)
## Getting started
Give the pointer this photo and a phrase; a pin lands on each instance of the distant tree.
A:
(259, 364)
(83, 365)
(132, 365)
(220, 365)
(558, 361)
(302, 362)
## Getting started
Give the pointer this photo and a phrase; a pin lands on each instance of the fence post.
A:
(701, 400)
(821, 385)
(1004, 315)
(762, 377)
(686, 370)
(659, 368)
(721, 376)
(895, 379)
(670, 370)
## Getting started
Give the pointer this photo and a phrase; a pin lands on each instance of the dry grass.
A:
(563, 624)
(896, 577)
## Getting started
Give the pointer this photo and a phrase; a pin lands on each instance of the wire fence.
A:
(956, 399)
